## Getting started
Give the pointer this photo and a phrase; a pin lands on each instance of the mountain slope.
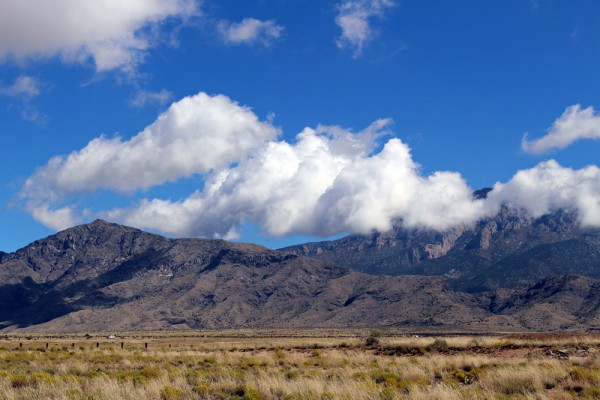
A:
(509, 250)
(562, 302)
(105, 276)
(102, 276)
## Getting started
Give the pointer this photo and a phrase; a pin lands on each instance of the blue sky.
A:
(455, 86)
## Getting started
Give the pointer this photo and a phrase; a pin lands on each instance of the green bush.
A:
(438, 345)
(374, 337)
(170, 393)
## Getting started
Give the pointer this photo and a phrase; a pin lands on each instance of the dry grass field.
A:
(299, 364)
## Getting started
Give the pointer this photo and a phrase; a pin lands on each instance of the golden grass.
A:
(199, 366)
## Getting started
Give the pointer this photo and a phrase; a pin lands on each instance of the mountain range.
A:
(509, 250)
(108, 277)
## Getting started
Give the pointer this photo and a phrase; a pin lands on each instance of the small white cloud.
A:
(355, 18)
(143, 97)
(25, 87)
(114, 34)
(31, 113)
(574, 124)
(57, 219)
(249, 31)
(574, 34)
(22, 91)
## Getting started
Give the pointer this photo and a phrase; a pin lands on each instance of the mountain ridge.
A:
(104, 276)
(508, 250)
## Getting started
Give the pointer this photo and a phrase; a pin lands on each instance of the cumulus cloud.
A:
(250, 30)
(114, 34)
(549, 187)
(574, 124)
(24, 87)
(328, 180)
(195, 135)
(355, 18)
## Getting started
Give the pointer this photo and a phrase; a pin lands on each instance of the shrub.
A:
(201, 389)
(252, 394)
(465, 375)
(384, 377)
(170, 393)
(150, 372)
(374, 337)
(19, 381)
(438, 345)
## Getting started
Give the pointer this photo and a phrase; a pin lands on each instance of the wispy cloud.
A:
(249, 31)
(113, 34)
(575, 34)
(21, 92)
(355, 18)
(24, 87)
(573, 125)
(145, 97)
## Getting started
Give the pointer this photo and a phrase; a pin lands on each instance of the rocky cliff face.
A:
(508, 250)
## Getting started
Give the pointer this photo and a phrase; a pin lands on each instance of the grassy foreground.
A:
(320, 365)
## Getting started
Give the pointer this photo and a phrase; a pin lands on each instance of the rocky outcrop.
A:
(508, 250)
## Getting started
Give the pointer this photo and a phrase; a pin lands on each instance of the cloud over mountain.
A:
(328, 180)
(194, 136)
(549, 187)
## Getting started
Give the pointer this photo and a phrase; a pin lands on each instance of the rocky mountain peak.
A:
(481, 193)
(509, 249)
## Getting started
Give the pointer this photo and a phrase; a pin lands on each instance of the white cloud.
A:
(57, 219)
(574, 124)
(115, 34)
(328, 180)
(549, 187)
(22, 91)
(30, 113)
(250, 30)
(195, 135)
(144, 97)
(355, 18)
(24, 87)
